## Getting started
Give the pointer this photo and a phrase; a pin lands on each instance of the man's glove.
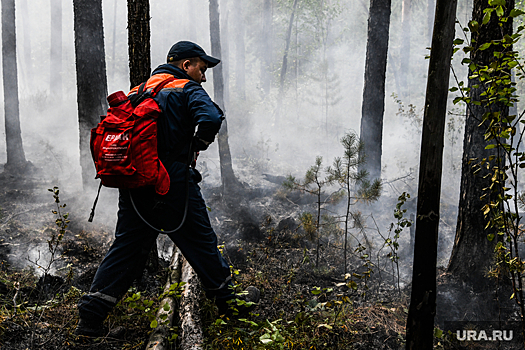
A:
(199, 144)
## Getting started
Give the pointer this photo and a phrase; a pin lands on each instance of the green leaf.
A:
(352, 285)
(453, 89)
(154, 324)
(166, 307)
(219, 322)
(491, 146)
(438, 333)
(486, 18)
(458, 41)
(490, 237)
(516, 12)
(474, 26)
(458, 99)
(499, 11)
(485, 46)
(497, 2)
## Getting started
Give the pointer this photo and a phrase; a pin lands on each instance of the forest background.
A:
(278, 123)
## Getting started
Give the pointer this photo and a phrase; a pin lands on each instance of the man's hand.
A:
(199, 144)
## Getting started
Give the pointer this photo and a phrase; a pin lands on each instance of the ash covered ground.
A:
(264, 240)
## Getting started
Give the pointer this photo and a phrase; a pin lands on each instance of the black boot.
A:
(90, 329)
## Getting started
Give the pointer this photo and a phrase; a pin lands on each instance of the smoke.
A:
(321, 100)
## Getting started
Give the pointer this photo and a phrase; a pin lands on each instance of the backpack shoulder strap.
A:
(137, 98)
(160, 86)
(141, 94)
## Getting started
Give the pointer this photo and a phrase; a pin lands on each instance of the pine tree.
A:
(91, 77)
(230, 184)
(374, 90)
(139, 42)
(15, 151)
(472, 252)
(420, 321)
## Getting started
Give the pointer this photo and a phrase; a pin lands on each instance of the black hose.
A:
(186, 205)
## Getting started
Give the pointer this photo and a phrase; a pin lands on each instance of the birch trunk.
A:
(190, 319)
(158, 339)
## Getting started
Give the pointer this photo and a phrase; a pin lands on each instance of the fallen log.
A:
(190, 310)
(158, 339)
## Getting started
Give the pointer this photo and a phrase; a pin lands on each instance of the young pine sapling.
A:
(354, 182)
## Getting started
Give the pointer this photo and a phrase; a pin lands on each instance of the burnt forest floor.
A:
(307, 302)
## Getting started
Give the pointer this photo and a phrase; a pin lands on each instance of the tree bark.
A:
(91, 77)
(139, 52)
(240, 51)
(230, 183)
(139, 42)
(192, 337)
(15, 151)
(158, 339)
(266, 48)
(56, 49)
(472, 252)
(225, 51)
(374, 90)
(420, 321)
(284, 66)
(28, 61)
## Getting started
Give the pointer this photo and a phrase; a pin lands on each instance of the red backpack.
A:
(124, 144)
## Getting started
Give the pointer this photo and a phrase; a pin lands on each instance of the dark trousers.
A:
(127, 257)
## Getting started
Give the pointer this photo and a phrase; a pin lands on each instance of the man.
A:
(185, 106)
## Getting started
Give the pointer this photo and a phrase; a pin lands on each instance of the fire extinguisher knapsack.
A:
(124, 143)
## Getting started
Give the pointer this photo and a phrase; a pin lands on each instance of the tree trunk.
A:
(472, 252)
(91, 77)
(16, 159)
(266, 49)
(158, 340)
(374, 90)
(225, 51)
(284, 66)
(138, 42)
(192, 337)
(240, 56)
(420, 321)
(55, 79)
(140, 70)
(28, 62)
(513, 110)
(404, 53)
(230, 183)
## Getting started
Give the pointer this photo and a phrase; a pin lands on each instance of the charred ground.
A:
(302, 305)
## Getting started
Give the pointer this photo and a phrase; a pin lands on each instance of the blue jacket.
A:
(185, 106)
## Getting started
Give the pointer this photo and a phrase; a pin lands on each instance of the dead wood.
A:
(190, 307)
(158, 338)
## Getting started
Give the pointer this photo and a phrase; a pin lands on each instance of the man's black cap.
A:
(187, 49)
